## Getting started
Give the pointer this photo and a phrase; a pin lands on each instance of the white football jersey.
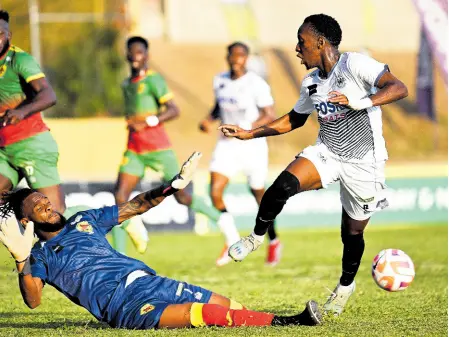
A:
(354, 136)
(240, 100)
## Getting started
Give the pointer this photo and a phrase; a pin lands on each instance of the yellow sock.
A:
(196, 315)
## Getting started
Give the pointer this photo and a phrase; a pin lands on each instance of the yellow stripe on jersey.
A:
(17, 49)
(196, 315)
(34, 77)
(150, 72)
(166, 98)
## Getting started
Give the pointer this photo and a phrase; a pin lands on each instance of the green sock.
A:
(200, 206)
(69, 211)
(119, 237)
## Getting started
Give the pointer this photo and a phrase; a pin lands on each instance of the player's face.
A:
(37, 208)
(5, 35)
(309, 47)
(137, 55)
(237, 59)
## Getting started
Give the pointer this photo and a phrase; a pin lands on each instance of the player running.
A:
(244, 99)
(27, 148)
(148, 105)
(346, 91)
(75, 257)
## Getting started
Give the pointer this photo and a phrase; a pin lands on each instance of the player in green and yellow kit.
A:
(148, 105)
(27, 149)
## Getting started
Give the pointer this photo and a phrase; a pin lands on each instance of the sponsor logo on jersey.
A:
(85, 227)
(229, 100)
(326, 107)
(77, 219)
(340, 82)
(322, 157)
(57, 248)
(3, 70)
(312, 89)
(125, 160)
(146, 309)
(141, 88)
(332, 118)
(383, 204)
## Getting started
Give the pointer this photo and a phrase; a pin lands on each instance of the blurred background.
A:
(80, 45)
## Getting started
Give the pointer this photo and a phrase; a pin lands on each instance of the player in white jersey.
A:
(347, 91)
(242, 98)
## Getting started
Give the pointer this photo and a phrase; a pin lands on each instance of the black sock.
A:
(274, 199)
(353, 247)
(272, 232)
(303, 318)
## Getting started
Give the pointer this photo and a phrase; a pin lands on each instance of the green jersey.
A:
(17, 70)
(143, 97)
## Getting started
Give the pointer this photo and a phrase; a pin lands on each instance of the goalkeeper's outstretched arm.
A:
(144, 201)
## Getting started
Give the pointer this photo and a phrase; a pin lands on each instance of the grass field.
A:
(311, 262)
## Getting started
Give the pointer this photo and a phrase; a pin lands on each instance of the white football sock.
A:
(227, 227)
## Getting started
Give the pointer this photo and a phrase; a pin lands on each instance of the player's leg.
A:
(167, 163)
(353, 248)
(202, 315)
(190, 305)
(155, 301)
(223, 166)
(56, 196)
(5, 183)
(274, 249)
(299, 176)
(37, 158)
(131, 171)
(360, 197)
(218, 183)
(9, 176)
(314, 168)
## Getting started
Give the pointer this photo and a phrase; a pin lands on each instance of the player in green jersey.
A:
(148, 105)
(27, 149)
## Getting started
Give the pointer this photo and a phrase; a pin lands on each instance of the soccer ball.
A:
(393, 270)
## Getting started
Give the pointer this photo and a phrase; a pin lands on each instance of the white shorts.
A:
(362, 185)
(249, 157)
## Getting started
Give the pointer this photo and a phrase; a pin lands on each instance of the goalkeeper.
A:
(74, 257)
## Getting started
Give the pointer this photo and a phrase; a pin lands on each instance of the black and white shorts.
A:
(362, 185)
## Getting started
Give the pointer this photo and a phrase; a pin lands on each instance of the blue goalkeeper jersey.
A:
(80, 262)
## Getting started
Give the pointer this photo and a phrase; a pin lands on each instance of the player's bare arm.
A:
(45, 97)
(139, 204)
(144, 201)
(19, 245)
(214, 115)
(30, 288)
(284, 124)
(137, 123)
(170, 112)
(267, 115)
(391, 89)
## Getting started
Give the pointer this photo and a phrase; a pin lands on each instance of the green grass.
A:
(311, 262)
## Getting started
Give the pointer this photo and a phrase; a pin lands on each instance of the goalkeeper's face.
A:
(37, 208)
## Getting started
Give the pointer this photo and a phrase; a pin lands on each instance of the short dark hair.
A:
(238, 44)
(4, 15)
(325, 26)
(135, 39)
(11, 202)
